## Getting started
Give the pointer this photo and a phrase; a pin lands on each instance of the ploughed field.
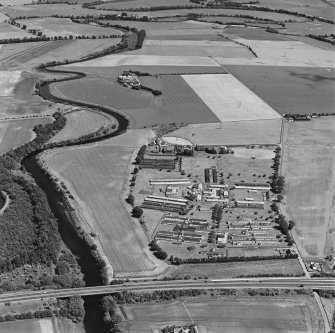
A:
(97, 177)
(308, 166)
(221, 316)
(290, 89)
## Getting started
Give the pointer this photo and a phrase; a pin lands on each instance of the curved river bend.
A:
(94, 318)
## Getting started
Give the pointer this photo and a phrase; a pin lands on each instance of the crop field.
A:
(290, 89)
(283, 53)
(229, 99)
(8, 80)
(128, 59)
(97, 176)
(28, 326)
(308, 167)
(65, 27)
(222, 316)
(315, 28)
(45, 10)
(28, 55)
(142, 107)
(252, 33)
(232, 133)
(117, 4)
(82, 122)
(8, 31)
(14, 133)
(194, 48)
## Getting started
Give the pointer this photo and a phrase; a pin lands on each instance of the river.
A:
(94, 317)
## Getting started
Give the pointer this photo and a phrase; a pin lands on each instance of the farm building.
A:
(249, 204)
(172, 191)
(171, 181)
(222, 238)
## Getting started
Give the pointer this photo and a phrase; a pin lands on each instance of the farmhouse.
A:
(129, 78)
(172, 191)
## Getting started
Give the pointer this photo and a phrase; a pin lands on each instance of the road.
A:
(279, 283)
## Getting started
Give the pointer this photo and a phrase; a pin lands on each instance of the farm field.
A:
(65, 27)
(194, 48)
(233, 270)
(100, 198)
(28, 55)
(229, 99)
(8, 80)
(231, 133)
(140, 106)
(82, 122)
(45, 10)
(308, 166)
(8, 31)
(283, 53)
(253, 33)
(290, 89)
(141, 3)
(223, 316)
(14, 133)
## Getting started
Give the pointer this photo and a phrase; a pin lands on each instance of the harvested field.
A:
(28, 55)
(97, 176)
(223, 315)
(8, 31)
(146, 60)
(82, 122)
(283, 53)
(65, 27)
(290, 89)
(8, 80)
(42, 10)
(232, 133)
(192, 48)
(308, 166)
(14, 133)
(140, 106)
(229, 99)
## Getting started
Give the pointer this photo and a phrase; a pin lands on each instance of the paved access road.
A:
(279, 283)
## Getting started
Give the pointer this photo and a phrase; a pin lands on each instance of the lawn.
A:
(28, 326)
(140, 106)
(229, 99)
(290, 89)
(14, 133)
(232, 133)
(309, 171)
(222, 316)
(82, 122)
(65, 27)
(97, 176)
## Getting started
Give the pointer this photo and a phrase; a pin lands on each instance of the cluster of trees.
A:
(140, 38)
(323, 38)
(217, 213)
(111, 318)
(153, 91)
(278, 182)
(235, 259)
(140, 154)
(157, 250)
(141, 9)
(72, 308)
(285, 227)
(170, 329)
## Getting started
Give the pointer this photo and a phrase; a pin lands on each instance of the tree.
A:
(291, 225)
(130, 199)
(137, 212)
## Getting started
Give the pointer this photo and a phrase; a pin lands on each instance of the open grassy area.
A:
(308, 165)
(82, 122)
(232, 270)
(14, 133)
(232, 133)
(65, 27)
(97, 176)
(290, 89)
(8, 31)
(224, 315)
(140, 106)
